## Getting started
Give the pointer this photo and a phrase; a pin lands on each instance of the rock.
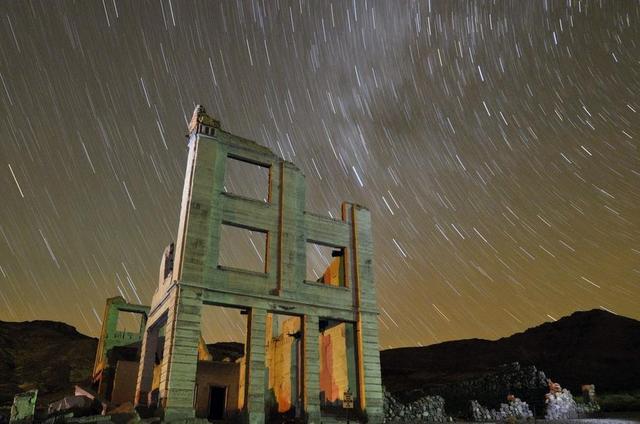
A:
(561, 406)
(58, 418)
(24, 406)
(80, 406)
(514, 409)
(82, 391)
(124, 414)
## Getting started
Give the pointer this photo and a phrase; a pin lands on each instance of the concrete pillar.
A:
(368, 353)
(147, 361)
(311, 368)
(291, 247)
(367, 333)
(255, 370)
(180, 361)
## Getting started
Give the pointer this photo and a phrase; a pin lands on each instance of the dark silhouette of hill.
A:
(587, 347)
(51, 356)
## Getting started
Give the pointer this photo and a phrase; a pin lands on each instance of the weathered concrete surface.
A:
(23, 408)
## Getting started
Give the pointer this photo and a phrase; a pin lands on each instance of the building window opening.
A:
(247, 179)
(326, 264)
(130, 323)
(242, 249)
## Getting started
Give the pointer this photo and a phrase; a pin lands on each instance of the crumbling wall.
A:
(124, 382)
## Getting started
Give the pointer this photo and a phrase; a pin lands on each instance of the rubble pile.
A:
(587, 408)
(478, 412)
(84, 407)
(560, 403)
(428, 408)
(514, 409)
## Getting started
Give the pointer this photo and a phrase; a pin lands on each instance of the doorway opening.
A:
(217, 403)
(221, 366)
(338, 371)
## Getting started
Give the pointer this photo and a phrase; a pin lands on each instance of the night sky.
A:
(495, 143)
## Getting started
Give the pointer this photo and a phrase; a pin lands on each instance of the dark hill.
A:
(586, 347)
(50, 356)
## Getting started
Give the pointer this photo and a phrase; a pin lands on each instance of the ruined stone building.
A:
(308, 340)
(118, 353)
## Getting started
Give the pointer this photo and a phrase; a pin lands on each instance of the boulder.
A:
(80, 406)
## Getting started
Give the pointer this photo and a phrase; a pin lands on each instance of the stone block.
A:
(23, 408)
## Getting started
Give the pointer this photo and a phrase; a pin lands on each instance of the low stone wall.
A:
(426, 409)
(525, 382)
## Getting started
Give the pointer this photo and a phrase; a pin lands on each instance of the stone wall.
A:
(426, 409)
(491, 390)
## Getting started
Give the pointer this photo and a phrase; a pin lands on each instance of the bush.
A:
(617, 402)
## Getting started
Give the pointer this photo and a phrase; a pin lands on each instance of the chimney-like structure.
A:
(201, 123)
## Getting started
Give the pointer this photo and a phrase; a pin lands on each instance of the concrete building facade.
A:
(191, 277)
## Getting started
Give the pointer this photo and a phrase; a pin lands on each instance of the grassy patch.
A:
(614, 402)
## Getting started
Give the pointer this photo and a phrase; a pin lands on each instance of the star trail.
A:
(495, 143)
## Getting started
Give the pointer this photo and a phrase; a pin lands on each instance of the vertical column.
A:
(311, 368)
(291, 247)
(370, 366)
(185, 207)
(255, 370)
(107, 341)
(198, 235)
(147, 362)
(370, 382)
(182, 335)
